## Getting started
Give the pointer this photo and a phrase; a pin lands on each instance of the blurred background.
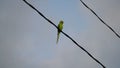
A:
(28, 41)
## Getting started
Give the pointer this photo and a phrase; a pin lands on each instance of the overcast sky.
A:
(28, 41)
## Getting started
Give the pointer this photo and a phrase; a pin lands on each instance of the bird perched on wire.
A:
(60, 27)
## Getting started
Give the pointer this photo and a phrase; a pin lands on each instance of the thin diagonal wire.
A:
(64, 34)
(100, 19)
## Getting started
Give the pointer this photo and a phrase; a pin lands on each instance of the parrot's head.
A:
(61, 22)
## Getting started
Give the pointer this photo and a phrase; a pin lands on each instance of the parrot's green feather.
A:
(60, 26)
(58, 35)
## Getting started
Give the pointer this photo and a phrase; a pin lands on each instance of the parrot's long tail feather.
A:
(58, 37)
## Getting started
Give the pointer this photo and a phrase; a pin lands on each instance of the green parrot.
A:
(60, 26)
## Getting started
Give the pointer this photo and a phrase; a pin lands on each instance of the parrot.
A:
(60, 27)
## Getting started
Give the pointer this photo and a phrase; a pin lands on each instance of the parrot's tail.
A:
(57, 37)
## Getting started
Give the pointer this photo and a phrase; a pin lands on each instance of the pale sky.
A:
(28, 41)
